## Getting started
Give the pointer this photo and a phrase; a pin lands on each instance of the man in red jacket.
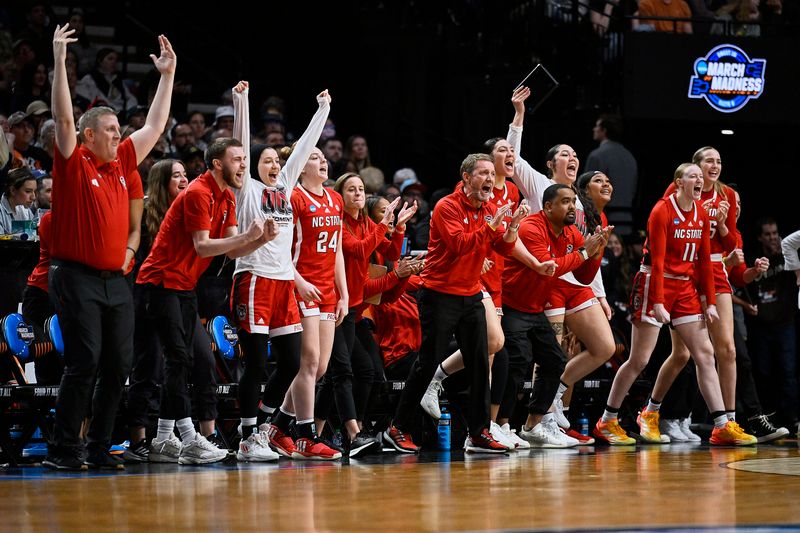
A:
(464, 226)
(550, 234)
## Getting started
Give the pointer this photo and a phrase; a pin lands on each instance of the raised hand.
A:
(519, 97)
(241, 87)
(61, 38)
(501, 213)
(324, 97)
(595, 243)
(388, 215)
(405, 214)
(722, 211)
(522, 211)
(167, 61)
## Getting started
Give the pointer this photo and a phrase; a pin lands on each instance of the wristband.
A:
(513, 227)
(131, 249)
(583, 253)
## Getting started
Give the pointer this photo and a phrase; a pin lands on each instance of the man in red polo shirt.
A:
(200, 224)
(93, 240)
(548, 235)
(464, 226)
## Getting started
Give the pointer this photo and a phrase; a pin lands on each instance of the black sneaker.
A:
(137, 453)
(763, 430)
(217, 440)
(64, 462)
(99, 458)
(330, 444)
(363, 444)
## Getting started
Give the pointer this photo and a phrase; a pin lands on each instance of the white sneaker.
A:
(165, 451)
(500, 436)
(558, 413)
(200, 452)
(521, 444)
(545, 434)
(430, 401)
(672, 428)
(691, 436)
(256, 448)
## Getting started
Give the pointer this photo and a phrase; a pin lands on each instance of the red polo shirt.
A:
(90, 206)
(523, 288)
(173, 261)
(38, 277)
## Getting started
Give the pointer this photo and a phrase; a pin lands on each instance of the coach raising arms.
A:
(93, 243)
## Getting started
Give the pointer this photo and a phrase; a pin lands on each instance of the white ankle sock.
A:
(165, 427)
(440, 374)
(186, 429)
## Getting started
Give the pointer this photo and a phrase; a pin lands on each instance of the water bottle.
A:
(444, 430)
(583, 424)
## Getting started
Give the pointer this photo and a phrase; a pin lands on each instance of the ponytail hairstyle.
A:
(697, 158)
(551, 158)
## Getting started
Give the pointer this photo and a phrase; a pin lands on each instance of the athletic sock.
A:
(440, 374)
(720, 419)
(610, 413)
(305, 429)
(265, 413)
(186, 429)
(562, 388)
(249, 426)
(731, 415)
(282, 419)
(653, 406)
(165, 427)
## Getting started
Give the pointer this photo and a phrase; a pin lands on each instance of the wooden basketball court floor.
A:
(676, 487)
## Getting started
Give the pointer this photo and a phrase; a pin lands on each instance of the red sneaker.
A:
(585, 440)
(314, 450)
(483, 443)
(400, 441)
(278, 440)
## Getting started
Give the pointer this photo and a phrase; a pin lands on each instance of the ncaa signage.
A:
(727, 78)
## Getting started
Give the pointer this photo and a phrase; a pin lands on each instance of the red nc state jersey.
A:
(508, 194)
(317, 230)
(678, 243)
(711, 199)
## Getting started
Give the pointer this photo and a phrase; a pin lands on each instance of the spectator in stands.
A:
(742, 19)
(37, 31)
(103, 83)
(328, 132)
(356, 154)
(44, 191)
(419, 227)
(17, 199)
(389, 191)
(677, 9)
(194, 162)
(95, 235)
(182, 138)
(275, 139)
(223, 118)
(31, 85)
(83, 48)
(332, 148)
(197, 121)
(24, 152)
(772, 338)
(614, 160)
(37, 112)
(373, 180)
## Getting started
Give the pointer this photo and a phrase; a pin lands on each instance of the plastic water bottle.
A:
(444, 430)
(583, 424)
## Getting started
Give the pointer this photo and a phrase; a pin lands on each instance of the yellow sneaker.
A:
(731, 434)
(612, 433)
(648, 426)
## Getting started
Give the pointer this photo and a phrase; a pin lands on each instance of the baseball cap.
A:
(37, 107)
(413, 184)
(16, 118)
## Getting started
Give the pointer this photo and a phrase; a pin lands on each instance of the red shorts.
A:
(721, 283)
(324, 309)
(681, 300)
(496, 297)
(263, 305)
(567, 298)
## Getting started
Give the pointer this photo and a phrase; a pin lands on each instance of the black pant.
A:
(96, 317)
(400, 369)
(530, 338)
(37, 308)
(174, 314)
(499, 376)
(148, 370)
(442, 315)
(338, 380)
(286, 349)
(747, 399)
(367, 366)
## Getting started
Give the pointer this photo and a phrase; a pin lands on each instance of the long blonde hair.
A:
(697, 158)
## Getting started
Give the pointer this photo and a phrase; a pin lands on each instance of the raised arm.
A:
(530, 182)
(145, 138)
(62, 102)
(290, 173)
(241, 130)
